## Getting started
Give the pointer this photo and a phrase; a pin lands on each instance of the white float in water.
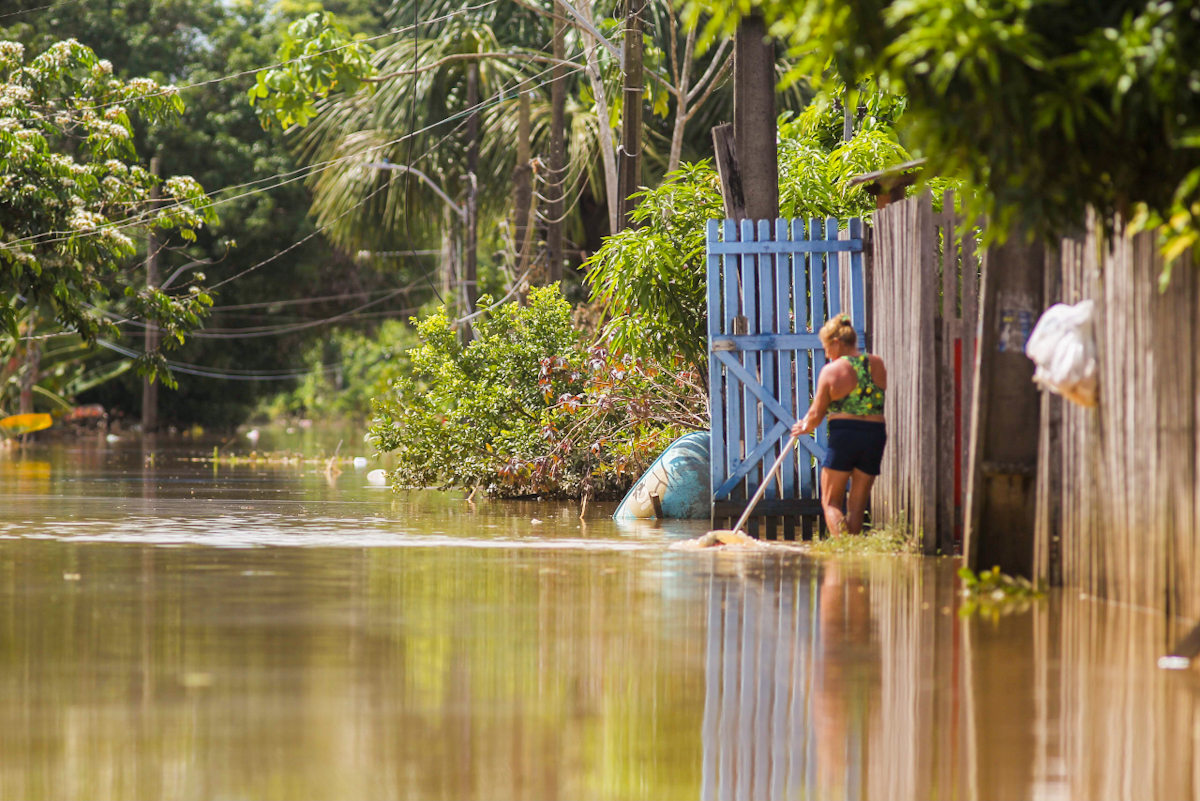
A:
(112, 438)
(378, 477)
(360, 462)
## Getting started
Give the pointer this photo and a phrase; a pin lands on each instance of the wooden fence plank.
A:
(733, 396)
(784, 360)
(716, 397)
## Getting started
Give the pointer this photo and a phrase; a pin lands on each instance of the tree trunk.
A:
(558, 102)
(470, 289)
(630, 177)
(608, 151)
(522, 191)
(150, 388)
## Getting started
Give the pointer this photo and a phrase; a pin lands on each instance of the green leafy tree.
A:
(72, 195)
(651, 279)
(1047, 107)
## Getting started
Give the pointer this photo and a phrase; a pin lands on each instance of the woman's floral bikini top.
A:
(867, 397)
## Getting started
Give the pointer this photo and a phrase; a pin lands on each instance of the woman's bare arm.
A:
(820, 404)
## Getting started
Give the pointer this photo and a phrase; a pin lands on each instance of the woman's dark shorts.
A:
(855, 444)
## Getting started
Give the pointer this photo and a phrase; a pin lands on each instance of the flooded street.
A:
(175, 630)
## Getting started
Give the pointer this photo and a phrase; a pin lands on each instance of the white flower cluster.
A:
(182, 186)
(81, 219)
(13, 93)
(115, 238)
(12, 51)
(113, 112)
(59, 54)
(103, 67)
(140, 87)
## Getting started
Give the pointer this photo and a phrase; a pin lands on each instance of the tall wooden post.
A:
(150, 388)
(1001, 489)
(754, 118)
(847, 117)
(558, 105)
(630, 176)
(522, 188)
(470, 287)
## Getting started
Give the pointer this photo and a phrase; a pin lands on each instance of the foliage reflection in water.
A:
(138, 659)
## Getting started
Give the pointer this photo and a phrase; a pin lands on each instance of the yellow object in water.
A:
(19, 424)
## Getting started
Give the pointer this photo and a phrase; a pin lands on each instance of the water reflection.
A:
(860, 680)
(260, 633)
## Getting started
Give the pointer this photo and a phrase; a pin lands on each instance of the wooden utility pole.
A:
(558, 123)
(522, 188)
(470, 287)
(630, 175)
(847, 117)
(150, 388)
(1002, 486)
(754, 118)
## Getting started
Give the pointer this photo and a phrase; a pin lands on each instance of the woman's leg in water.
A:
(860, 493)
(833, 494)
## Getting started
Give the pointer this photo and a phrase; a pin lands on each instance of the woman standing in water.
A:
(850, 389)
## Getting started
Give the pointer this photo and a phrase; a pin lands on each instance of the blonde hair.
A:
(839, 328)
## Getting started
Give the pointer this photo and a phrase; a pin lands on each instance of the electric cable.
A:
(40, 8)
(300, 173)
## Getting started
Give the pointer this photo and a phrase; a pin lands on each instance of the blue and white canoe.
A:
(680, 477)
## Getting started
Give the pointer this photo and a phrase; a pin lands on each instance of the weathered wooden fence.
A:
(1118, 495)
(770, 289)
(925, 304)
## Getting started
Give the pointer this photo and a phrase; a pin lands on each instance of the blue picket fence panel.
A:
(770, 289)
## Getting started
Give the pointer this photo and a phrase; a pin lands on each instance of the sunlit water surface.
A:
(171, 630)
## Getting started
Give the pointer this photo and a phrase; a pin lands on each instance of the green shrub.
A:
(527, 408)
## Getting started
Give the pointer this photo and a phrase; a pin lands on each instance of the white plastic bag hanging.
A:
(1064, 349)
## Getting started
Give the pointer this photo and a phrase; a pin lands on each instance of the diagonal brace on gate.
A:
(786, 418)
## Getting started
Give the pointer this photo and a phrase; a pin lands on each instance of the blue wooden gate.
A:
(768, 295)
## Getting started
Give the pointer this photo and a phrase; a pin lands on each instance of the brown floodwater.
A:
(170, 630)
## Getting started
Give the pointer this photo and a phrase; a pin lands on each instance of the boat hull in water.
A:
(679, 477)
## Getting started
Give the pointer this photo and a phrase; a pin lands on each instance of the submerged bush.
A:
(528, 407)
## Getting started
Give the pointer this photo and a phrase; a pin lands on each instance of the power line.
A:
(292, 176)
(235, 375)
(40, 8)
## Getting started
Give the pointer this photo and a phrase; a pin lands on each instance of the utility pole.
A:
(470, 288)
(522, 187)
(630, 175)
(558, 106)
(754, 118)
(847, 117)
(150, 388)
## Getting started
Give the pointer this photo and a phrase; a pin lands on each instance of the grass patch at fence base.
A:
(893, 539)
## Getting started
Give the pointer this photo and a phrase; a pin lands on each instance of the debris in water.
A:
(1172, 662)
(194, 680)
(536, 522)
(71, 577)
(713, 539)
(112, 438)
